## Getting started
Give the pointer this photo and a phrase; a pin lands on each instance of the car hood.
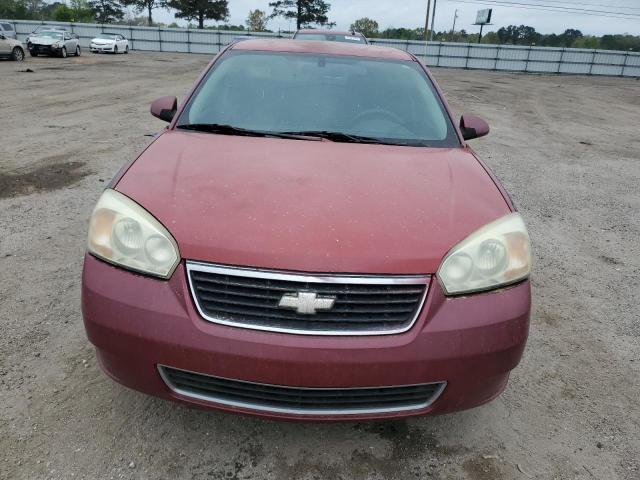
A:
(314, 206)
(43, 40)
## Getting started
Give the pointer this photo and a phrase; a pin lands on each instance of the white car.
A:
(109, 42)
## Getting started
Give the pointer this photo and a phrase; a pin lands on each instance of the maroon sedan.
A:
(309, 238)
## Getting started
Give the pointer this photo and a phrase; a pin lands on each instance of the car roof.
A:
(326, 48)
(329, 32)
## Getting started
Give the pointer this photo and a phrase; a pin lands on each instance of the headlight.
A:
(124, 233)
(56, 45)
(496, 255)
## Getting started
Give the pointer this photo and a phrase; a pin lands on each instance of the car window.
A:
(8, 27)
(284, 92)
(50, 34)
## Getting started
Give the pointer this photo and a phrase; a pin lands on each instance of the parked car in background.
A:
(7, 30)
(54, 42)
(109, 42)
(11, 48)
(44, 28)
(311, 237)
(330, 36)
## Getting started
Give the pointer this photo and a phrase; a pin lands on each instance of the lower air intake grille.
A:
(306, 304)
(301, 401)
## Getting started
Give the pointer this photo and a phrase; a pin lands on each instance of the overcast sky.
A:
(411, 13)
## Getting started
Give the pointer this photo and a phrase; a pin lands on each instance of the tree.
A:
(491, 38)
(62, 13)
(16, 9)
(570, 36)
(79, 11)
(35, 7)
(200, 10)
(257, 21)
(144, 5)
(366, 26)
(306, 12)
(522, 35)
(106, 11)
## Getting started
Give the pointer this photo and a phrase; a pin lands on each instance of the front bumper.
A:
(101, 48)
(43, 49)
(138, 323)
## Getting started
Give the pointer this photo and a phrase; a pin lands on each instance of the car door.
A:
(122, 43)
(70, 43)
(5, 48)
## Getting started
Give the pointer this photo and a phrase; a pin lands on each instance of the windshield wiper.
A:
(225, 129)
(345, 137)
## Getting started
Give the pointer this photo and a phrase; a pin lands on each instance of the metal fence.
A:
(436, 54)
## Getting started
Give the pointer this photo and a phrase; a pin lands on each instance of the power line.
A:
(581, 3)
(619, 7)
(551, 8)
(557, 7)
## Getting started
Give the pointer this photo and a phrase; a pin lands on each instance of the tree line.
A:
(510, 35)
(303, 12)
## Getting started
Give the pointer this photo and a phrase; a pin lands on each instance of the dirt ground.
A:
(565, 147)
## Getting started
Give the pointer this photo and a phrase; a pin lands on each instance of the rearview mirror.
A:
(164, 108)
(473, 127)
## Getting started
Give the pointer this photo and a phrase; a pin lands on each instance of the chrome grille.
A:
(299, 400)
(251, 299)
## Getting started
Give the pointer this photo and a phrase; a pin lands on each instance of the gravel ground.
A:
(565, 147)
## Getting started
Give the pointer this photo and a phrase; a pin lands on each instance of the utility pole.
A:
(426, 22)
(453, 29)
(433, 18)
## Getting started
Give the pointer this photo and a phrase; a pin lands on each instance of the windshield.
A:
(57, 35)
(327, 37)
(391, 101)
(106, 36)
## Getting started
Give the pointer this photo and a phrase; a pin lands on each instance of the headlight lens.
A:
(124, 233)
(496, 255)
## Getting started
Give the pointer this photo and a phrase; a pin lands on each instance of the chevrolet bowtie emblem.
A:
(306, 303)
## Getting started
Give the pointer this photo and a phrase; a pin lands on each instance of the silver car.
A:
(11, 48)
(54, 42)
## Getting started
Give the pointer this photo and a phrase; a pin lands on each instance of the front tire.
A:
(63, 52)
(17, 54)
(78, 52)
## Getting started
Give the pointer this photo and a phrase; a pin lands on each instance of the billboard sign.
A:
(484, 16)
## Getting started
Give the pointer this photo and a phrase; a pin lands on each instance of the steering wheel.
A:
(378, 114)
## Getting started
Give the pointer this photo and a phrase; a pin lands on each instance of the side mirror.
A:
(2, 37)
(164, 108)
(473, 127)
